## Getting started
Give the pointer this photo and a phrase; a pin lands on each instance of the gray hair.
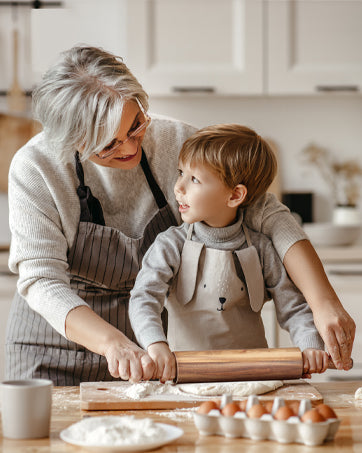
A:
(81, 98)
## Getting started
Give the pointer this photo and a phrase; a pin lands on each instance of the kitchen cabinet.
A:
(245, 47)
(196, 46)
(89, 22)
(222, 47)
(314, 46)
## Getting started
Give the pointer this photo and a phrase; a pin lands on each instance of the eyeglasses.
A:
(108, 151)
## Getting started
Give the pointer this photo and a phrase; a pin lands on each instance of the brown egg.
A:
(243, 404)
(268, 406)
(326, 411)
(256, 411)
(294, 405)
(230, 409)
(313, 416)
(283, 413)
(207, 406)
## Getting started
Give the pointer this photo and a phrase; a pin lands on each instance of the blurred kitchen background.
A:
(291, 69)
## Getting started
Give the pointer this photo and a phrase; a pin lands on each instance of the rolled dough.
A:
(243, 388)
(358, 394)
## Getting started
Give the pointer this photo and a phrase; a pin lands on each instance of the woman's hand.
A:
(334, 324)
(125, 359)
(337, 329)
(165, 362)
(314, 361)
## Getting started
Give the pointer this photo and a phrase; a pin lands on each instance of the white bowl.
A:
(331, 234)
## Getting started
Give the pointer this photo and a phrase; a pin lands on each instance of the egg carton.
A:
(292, 430)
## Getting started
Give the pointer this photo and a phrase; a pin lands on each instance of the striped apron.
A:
(103, 264)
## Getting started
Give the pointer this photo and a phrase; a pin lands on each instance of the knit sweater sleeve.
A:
(270, 217)
(159, 266)
(292, 310)
(39, 247)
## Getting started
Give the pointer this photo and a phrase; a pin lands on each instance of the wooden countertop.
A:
(66, 410)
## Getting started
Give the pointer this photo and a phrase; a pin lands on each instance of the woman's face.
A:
(126, 155)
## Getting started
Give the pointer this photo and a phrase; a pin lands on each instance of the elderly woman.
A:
(87, 197)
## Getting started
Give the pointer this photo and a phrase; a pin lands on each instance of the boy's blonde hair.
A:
(236, 153)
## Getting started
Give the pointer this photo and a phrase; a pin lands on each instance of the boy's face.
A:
(203, 197)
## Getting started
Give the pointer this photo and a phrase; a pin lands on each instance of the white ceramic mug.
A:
(26, 408)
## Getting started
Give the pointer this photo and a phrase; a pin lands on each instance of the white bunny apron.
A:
(210, 307)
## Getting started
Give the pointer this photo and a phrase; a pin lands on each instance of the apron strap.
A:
(189, 232)
(155, 188)
(247, 235)
(90, 207)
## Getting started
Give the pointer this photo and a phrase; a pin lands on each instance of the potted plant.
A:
(344, 178)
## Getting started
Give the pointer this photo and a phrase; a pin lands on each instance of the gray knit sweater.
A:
(159, 273)
(44, 212)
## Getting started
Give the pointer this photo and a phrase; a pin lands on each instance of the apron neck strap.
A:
(189, 231)
(247, 235)
(155, 188)
(79, 169)
(90, 207)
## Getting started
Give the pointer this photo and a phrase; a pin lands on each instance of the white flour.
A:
(142, 389)
(115, 431)
(178, 415)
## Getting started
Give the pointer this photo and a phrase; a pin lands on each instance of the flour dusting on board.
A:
(143, 389)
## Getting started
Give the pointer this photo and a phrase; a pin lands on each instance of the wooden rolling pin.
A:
(239, 365)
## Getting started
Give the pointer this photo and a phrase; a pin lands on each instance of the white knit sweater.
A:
(44, 212)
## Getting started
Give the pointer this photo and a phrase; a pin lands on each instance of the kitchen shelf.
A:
(348, 254)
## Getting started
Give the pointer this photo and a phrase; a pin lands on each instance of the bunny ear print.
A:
(250, 264)
(187, 275)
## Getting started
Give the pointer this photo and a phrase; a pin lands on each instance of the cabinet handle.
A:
(6, 273)
(193, 89)
(346, 272)
(33, 4)
(332, 88)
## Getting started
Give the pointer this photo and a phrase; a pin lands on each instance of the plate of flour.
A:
(114, 433)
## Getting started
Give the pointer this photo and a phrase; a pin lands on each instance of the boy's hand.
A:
(314, 361)
(164, 360)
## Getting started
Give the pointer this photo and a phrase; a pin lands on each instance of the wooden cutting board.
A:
(111, 396)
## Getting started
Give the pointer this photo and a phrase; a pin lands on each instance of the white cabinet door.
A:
(197, 46)
(314, 46)
(81, 22)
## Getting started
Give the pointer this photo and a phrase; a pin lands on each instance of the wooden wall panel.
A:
(15, 131)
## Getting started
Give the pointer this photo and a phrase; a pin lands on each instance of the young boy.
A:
(212, 274)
